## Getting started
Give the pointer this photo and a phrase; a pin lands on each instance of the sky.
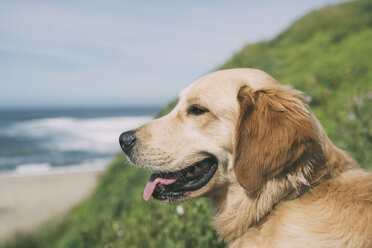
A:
(125, 53)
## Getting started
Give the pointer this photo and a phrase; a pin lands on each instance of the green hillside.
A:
(327, 54)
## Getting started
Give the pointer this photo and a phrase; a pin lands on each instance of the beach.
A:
(50, 158)
(26, 201)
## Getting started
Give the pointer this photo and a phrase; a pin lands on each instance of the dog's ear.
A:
(275, 132)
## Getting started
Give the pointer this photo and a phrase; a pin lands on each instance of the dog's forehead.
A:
(226, 83)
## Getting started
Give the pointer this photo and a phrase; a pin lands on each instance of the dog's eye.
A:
(196, 110)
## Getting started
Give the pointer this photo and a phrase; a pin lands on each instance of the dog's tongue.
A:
(151, 185)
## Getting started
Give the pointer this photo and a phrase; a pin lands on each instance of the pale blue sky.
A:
(115, 52)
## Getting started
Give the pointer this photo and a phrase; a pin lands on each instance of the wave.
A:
(33, 168)
(45, 168)
(75, 134)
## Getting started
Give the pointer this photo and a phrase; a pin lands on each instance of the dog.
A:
(255, 148)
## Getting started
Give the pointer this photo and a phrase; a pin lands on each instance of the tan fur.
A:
(280, 182)
(274, 135)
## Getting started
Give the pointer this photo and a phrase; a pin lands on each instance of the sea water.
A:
(43, 140)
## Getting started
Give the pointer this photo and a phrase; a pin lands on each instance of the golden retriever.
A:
(255, 148)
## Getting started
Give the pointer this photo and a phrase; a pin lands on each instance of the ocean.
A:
(45, 140)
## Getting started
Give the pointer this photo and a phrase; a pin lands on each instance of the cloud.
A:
(129, 51)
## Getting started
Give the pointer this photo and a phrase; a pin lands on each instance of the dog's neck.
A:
(238, 213)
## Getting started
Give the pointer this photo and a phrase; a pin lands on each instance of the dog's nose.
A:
(127, 141)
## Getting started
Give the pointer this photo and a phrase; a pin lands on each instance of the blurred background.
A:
(75, 74)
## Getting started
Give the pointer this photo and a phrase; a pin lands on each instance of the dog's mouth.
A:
(172, 185)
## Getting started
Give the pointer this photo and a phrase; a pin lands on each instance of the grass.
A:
(327, 54)
(116, 216)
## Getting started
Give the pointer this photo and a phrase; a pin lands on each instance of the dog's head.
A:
(232, 126)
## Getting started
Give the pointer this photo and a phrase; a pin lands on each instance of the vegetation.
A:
(327, 54)
(116, 216)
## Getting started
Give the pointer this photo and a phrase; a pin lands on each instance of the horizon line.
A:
(44, 107)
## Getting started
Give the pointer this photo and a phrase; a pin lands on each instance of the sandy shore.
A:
(27, 201)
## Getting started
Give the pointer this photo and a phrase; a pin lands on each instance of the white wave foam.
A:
(45, 168)
(74, 134)
(32, 168)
